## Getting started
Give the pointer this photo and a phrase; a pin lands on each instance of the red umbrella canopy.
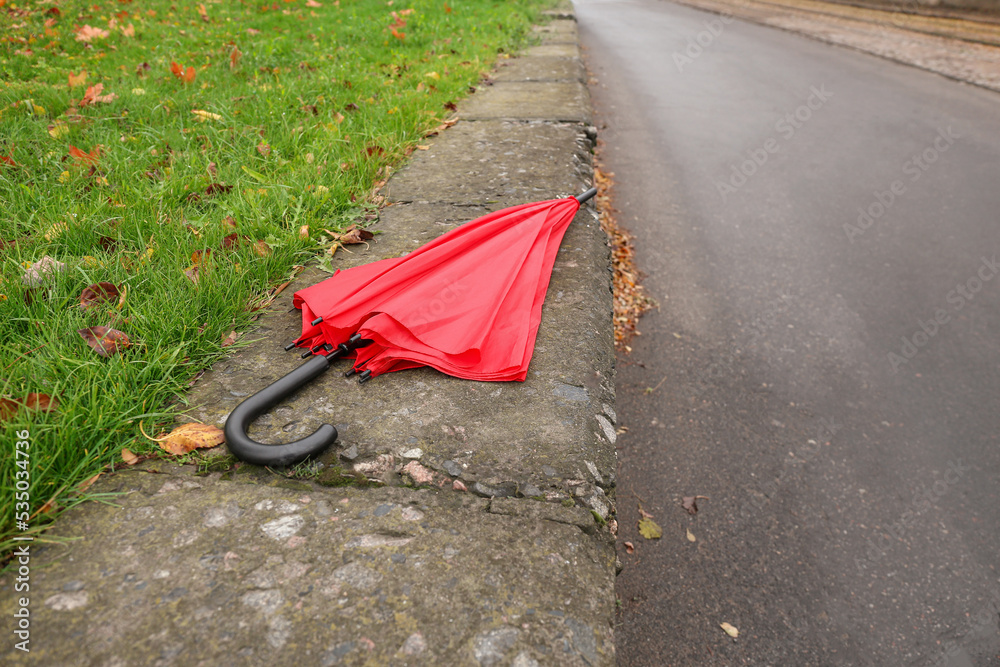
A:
(468, 303)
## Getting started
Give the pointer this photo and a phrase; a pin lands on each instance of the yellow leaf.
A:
(77, 79)
(202, 116)
(433, 75)
(188, 437)
(690, 536)
(39, 110)
(730, 630)
(55, 231)
(58, 129)
(138, 91)
(649, 529)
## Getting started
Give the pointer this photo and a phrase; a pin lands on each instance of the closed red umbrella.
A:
(467, 303)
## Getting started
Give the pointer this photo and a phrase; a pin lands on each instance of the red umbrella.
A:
(468, 304)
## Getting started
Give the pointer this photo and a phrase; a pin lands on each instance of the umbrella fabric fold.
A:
(467, 303)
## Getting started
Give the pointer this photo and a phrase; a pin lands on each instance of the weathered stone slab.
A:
(184, 570)
(559, 31)
(553, 101)
(541, 68)
(554, 50)
(497, 162)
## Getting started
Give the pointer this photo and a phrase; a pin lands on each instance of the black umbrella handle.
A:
(586, 195)
(287, 454)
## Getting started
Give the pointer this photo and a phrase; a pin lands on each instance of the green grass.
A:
(319, 105)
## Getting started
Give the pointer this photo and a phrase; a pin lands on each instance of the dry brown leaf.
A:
(129, 458)
(94, 295)
(8, 408)
(88, 34)
(229, 339)
(261, 248)
(304, 232)
(629, 547)
(189, 437)
(87, 483)
(105, 341)
(193, 273)
(690, 503)
(41, 402)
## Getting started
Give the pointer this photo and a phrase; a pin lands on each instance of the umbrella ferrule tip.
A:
(317, 321)
(365, 377)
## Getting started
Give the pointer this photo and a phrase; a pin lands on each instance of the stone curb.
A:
(484, 541)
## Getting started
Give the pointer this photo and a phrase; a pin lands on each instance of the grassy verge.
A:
(182, 158)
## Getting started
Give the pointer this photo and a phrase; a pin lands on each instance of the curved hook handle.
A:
(291, 453)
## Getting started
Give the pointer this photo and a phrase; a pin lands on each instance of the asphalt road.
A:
(821, 229)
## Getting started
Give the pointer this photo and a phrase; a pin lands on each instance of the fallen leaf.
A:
(129, 458)
(55, 231)
(629, 548)
(50, 506)
(201, 116)
(234, 57)
(229, 339)
(94, 295)
(229, 222)
(87, 34)
(203, 13)
(312, 3)
(230, 241)
(5, 159)
(42, 270)
(189, 437)
(105, 340)
(690, 535)
(41, 402)
(93, 96)
(263, 148)
(644, 514)
(649, 529)
(129, 30)
(261, 248)
(58, 129)
(193, 273)
(87, 483)
(8, 408)
(690, 503)
(82, 157)
(730, 630)
(185, 75)
(304, 232)
(77, 79)
(218, 188)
